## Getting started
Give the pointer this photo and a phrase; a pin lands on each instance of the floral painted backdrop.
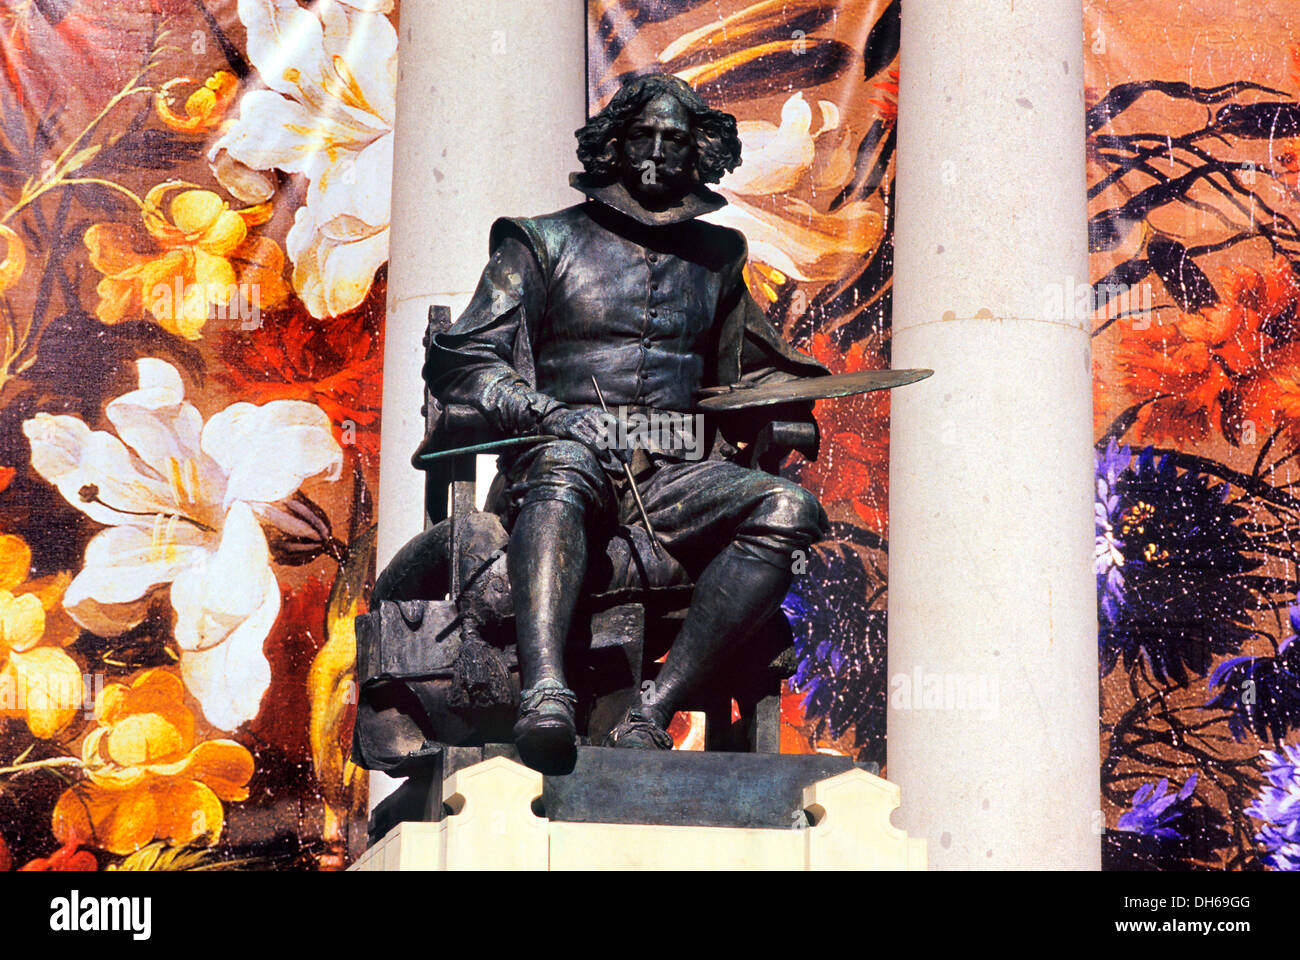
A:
(1193, 119)
(194, 208)
(813, 86)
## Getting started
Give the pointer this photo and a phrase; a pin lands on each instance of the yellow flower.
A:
(202, 258)
(39, 683)
(147, 779)
(11, 267)
(204, 108)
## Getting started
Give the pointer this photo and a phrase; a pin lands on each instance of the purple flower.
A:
(1263, 693)
(1106, 510)
(1278, 805)
(1171, 567)
(839, 642)
(1154, 811)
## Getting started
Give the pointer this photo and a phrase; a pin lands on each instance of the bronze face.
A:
(658, 153)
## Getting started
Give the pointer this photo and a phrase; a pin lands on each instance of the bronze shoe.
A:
(545, 734)
(638, 732)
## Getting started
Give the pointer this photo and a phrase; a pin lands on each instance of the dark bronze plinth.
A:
(668, 788)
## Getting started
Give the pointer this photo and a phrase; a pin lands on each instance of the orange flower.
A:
(147, 778)
(39, 682)
(15, 258)
(204, 108)
(183, 268)
(1227, 367)
(853, 464)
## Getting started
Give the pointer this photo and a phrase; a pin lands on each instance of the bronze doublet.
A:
(653, 305)
(637, 307)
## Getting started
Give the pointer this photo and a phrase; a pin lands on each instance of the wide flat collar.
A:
(700, 201)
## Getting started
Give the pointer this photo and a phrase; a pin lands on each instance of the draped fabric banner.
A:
(194, 207)
(1193, 116)
(813, 86)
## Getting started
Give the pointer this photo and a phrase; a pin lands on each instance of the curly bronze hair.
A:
(717, 147)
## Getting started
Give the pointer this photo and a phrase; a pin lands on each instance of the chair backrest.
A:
(437, 478)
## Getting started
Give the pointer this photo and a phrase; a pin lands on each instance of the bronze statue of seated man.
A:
(628, 302)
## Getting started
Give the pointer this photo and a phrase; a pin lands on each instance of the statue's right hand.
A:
(587, 426)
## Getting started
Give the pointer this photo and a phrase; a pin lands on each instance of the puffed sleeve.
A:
(750, 348)
(485, 358)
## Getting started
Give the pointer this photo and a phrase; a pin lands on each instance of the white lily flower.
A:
(181, 501)
(784, 231)
(327, 113)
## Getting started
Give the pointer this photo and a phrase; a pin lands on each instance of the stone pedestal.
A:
(496, 817)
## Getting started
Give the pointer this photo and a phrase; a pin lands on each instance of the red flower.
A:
(335, 364)
(66, 858)
(888, 104)
(853, 465)
(42, 45)
(794, 723)
(1232, 365)
(298, 633)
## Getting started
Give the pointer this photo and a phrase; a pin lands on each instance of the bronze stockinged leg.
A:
(547, 562)
(737, 592)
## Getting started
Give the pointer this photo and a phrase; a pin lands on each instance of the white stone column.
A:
(488, 96)
(992, 609)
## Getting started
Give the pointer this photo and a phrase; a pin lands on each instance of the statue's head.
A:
(659, 138)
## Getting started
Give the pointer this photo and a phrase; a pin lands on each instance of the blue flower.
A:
(1165, 831)
(1263, 693)
(794, 608)
(1154, 811)
(1171, 586)
(1278, 805)
(1109, 555)
(839, 643)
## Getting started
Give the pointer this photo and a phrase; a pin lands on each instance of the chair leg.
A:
(718, 732)
(764, 727)
(609, 659)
